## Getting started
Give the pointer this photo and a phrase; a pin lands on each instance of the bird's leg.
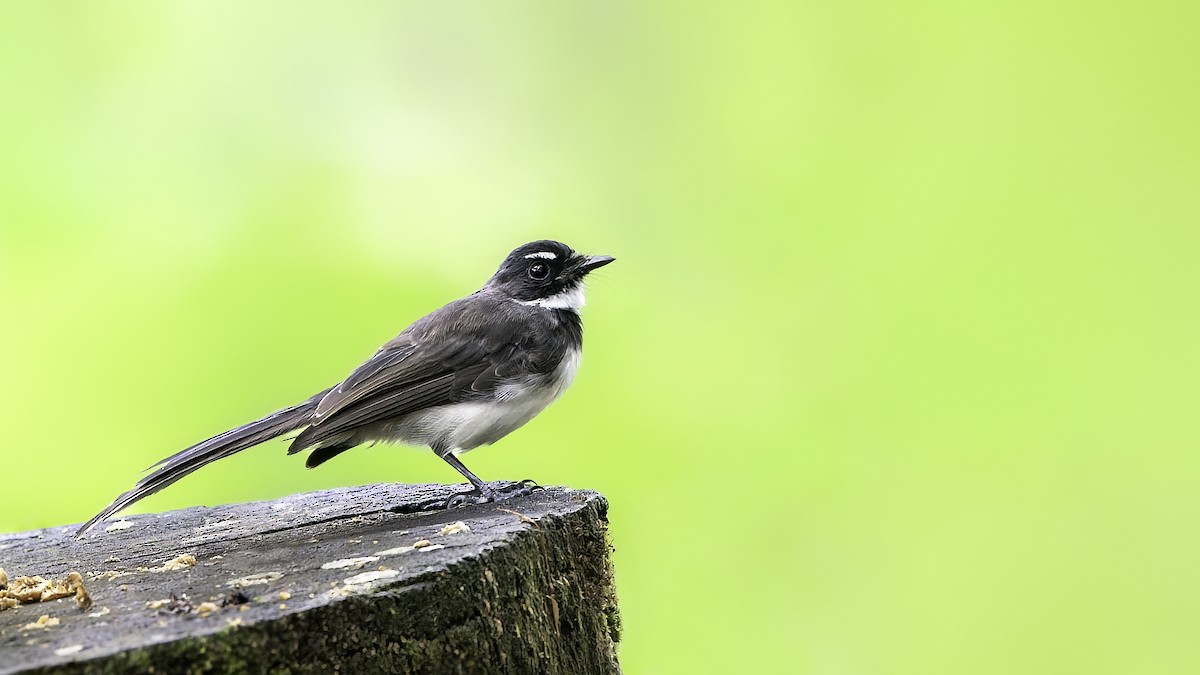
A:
(482, 493)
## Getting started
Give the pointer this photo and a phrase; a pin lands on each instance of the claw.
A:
(515, 489)
(487, 495)
(462, 499)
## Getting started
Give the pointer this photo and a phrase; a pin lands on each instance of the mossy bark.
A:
(528, 589)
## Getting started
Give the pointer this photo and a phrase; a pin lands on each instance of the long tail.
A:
(186, 461)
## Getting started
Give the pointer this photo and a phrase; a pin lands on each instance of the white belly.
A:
(464, 426)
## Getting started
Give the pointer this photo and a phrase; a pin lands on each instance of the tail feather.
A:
(188, 460)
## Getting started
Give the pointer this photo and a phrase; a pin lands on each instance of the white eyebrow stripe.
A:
(543, 254)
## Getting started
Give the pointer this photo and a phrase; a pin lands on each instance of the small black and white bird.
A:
(464, 376)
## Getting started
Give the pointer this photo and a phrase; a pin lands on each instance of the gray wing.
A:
(421, 368)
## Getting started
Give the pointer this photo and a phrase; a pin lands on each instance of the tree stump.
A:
(350, 580)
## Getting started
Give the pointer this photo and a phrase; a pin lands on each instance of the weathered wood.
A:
(528, 589)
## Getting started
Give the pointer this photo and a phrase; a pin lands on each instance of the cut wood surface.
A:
(351, 580)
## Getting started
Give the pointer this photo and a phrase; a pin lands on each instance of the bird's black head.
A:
(546, 273)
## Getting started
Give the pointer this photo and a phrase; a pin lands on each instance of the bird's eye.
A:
(539, 271)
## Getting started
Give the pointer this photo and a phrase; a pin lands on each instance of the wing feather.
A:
(427, 365)
(460, 353)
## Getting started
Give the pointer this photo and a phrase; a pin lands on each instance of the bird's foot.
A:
(490, 493)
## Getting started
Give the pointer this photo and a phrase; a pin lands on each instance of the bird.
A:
(463, 376)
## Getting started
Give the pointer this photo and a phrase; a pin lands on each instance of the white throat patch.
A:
(572, 298)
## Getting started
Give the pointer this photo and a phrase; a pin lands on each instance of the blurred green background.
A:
(896, 371)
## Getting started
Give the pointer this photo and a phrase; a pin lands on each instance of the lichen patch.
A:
(26, 590)
(255, 579)
(347, 563)
(395, 551)
(44, 621)
(455, 528)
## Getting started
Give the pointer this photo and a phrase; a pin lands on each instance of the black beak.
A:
(594, 262)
